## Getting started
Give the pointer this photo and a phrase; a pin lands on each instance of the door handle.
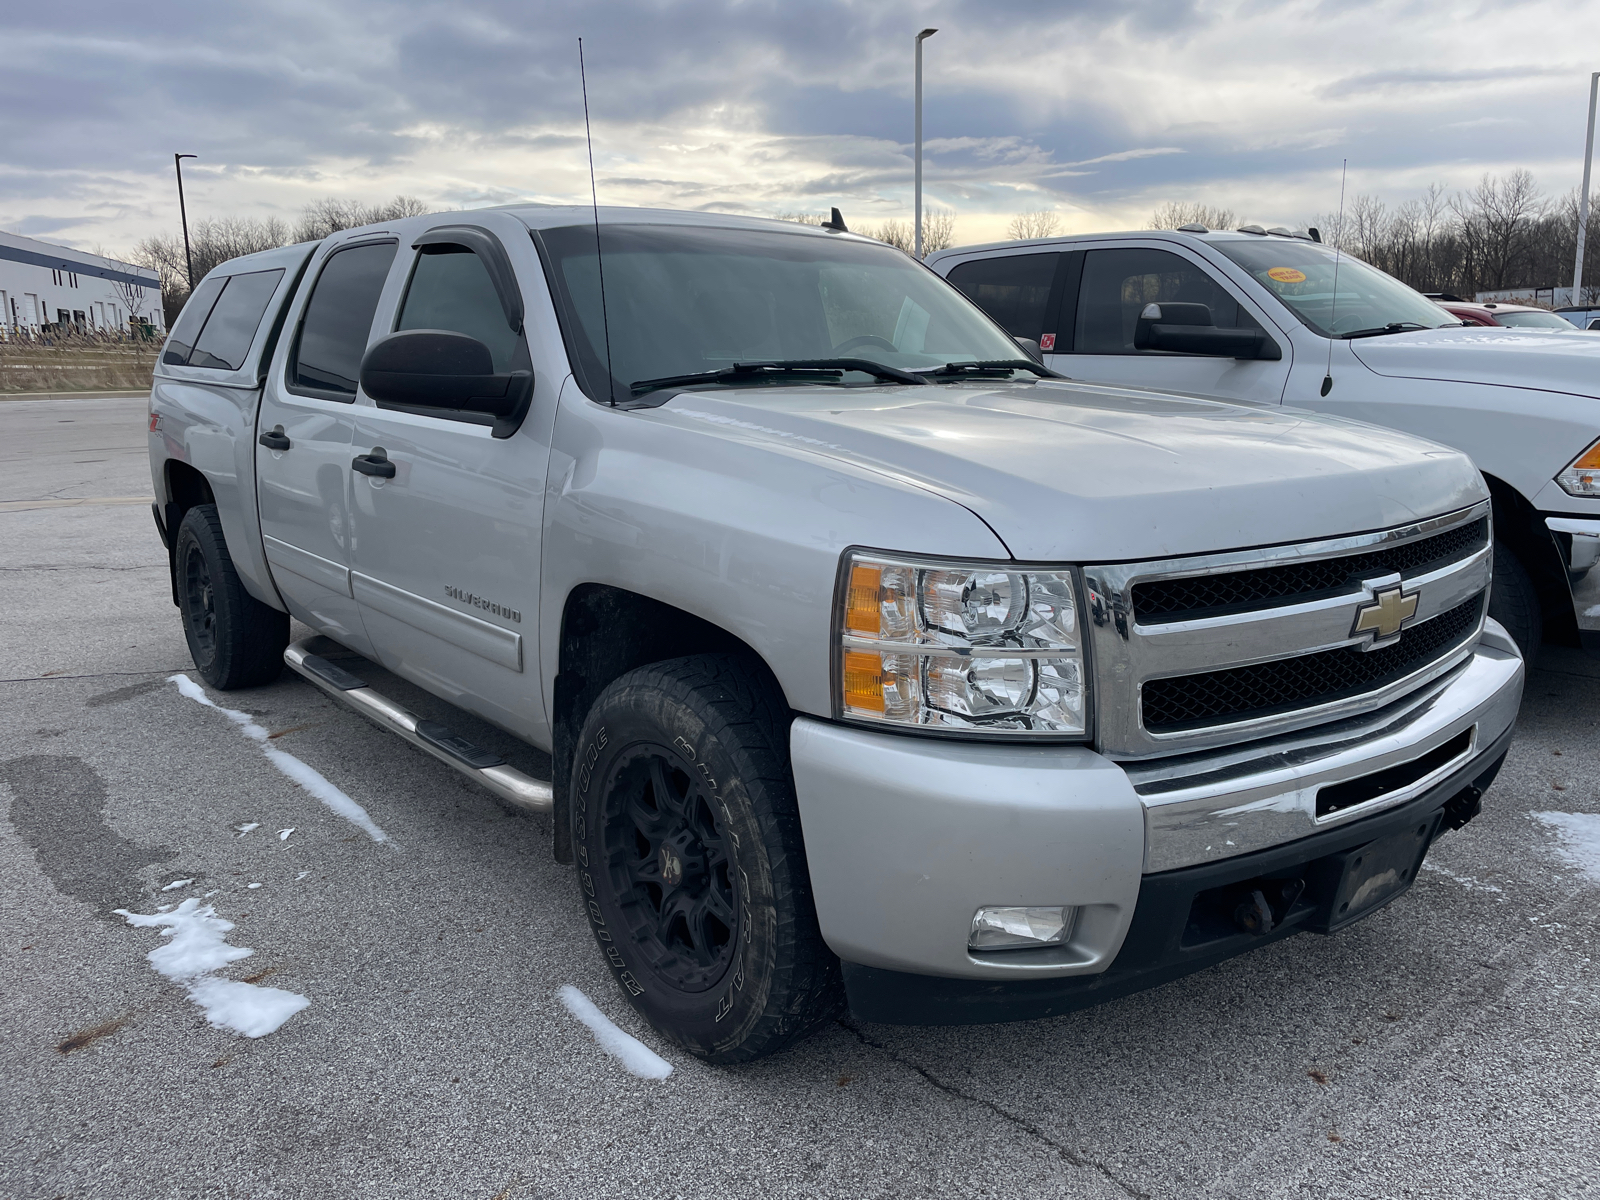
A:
(274, 439)
(375, 463)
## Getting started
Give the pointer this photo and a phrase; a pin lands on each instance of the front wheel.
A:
(690, 859)
(235, 640)
(1514, 602)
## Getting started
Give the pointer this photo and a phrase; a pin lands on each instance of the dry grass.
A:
(76, 364)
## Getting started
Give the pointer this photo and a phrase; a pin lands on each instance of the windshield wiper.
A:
(990, 369)
(815, 370)
(1380, 330)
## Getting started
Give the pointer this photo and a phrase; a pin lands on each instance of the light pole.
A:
(1583, 196)
(916, 234)
(188, 255)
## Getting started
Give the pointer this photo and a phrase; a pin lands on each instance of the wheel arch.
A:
(186, 487)
(1517, 524)
(607, 631)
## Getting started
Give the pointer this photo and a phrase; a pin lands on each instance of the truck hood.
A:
(1520, 358)
(1063, 471)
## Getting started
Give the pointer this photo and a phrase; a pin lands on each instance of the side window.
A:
(338, 317)
(450, 289)
(228, 332)
(191, 320)
(1117, 284)
(1014, 290)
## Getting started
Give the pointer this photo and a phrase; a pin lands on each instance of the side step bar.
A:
(479, 765)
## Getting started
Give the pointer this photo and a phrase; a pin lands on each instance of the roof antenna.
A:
(835, 222)
(1327, 380)
(594, 203)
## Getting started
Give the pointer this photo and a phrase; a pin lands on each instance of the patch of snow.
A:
(1465, 881)
(247, 827)
(283, 834)
(209, 894)
(197, 950)
(638, 1058)
(307, 777)
(314, 782)
(301, 876)
(1580, 839)
(177, 883)
(252, 886)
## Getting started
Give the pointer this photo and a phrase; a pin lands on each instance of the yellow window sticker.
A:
(1286, 275)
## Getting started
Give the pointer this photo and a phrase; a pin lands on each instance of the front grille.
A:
(1163, 600)
(1245, 693)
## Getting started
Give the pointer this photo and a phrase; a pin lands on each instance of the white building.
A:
(47, 285)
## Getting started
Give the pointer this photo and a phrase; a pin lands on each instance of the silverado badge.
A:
(1389, 610)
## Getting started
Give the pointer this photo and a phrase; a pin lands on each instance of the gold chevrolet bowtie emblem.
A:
(1389, 610)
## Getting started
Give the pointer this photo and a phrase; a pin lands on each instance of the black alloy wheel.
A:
(235, 640)
(200, 602)
(671, 867)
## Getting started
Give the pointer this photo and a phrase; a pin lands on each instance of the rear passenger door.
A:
(446, 548)
(306, 438)
(1023, 292)
(1115, 284)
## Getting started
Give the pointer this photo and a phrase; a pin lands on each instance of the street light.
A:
(917, 230)
(1583, 196)
(188, 255)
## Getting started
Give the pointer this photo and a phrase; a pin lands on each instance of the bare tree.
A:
(896, 233)
(1177, 213)
(938, 230)
(1496, 221)
(330, 215)
(801, 218)
(1041, 224)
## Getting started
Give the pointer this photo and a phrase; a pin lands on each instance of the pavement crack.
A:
(100, 675)
(1022, 1123)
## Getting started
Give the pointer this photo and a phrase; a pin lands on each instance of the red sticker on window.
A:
(1047, 341)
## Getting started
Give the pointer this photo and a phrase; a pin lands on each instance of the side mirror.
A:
(1189, 329)
(438, 368)
(1032, 349)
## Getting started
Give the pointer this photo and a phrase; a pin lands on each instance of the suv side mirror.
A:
(1031, 348)
(438, 368)
(1189, 329)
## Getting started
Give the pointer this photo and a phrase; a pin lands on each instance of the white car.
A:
(1254, 315)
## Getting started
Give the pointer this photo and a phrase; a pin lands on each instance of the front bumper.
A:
(1578, 543)
(906, 838)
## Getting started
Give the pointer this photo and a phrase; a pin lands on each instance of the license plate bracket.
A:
(1370, 876)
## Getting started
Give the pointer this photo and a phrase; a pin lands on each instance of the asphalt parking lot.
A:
(1447, 1046)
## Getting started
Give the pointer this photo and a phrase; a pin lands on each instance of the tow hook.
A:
(1257, 914)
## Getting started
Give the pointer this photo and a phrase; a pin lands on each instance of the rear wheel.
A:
(235, 640)
(690, 859)
(1514, 602)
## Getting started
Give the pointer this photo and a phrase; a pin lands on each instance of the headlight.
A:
(1582, 478)
(974, 647)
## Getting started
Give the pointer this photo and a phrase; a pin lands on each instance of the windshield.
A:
(1301, 275)
(1533, 320)
(684, 300)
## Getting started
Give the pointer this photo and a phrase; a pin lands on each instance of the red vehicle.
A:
(1516, 316)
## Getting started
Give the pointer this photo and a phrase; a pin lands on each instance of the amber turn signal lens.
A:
(863, 677)
(863, 613)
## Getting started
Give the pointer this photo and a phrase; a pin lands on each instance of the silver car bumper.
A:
(907, 837)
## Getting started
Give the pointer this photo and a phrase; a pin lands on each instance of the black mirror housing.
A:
(1189, 329)
(1031, 348)
(439, 368)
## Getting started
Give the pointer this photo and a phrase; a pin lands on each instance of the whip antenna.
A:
(594, 203)
(1338, 245)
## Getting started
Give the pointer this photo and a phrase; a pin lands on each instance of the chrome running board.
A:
(481, 766)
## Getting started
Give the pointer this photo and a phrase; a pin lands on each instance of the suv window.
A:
(450, 289)
(191, 320)
(231, 327)
(338, 319)
(1117, 284)
(1013, 289)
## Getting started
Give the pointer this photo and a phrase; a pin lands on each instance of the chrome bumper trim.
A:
(1582, 561)
(1205, 807)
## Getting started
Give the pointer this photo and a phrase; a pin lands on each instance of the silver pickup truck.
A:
(878, 664)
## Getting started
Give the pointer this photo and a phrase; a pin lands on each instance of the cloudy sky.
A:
(1099, 111)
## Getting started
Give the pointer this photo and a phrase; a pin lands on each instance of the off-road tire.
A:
(716, 733)
(235, 640)
(1514, 602)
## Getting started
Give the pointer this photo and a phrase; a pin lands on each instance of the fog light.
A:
(1019, 928)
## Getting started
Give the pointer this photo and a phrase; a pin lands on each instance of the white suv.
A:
(1253, 315)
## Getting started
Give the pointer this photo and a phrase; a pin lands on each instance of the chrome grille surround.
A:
(1125, 654)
